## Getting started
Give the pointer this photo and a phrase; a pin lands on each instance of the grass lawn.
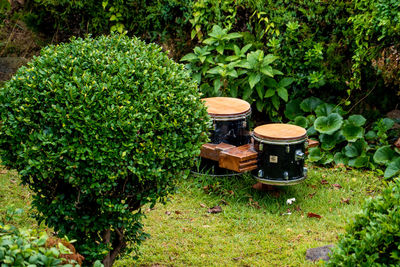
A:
(254, 228)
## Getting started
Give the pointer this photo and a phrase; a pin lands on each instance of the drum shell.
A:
(276, 158)
(234, 131)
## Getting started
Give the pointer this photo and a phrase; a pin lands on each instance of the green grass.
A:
(253, 228)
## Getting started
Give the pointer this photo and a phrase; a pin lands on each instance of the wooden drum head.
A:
(280, 132)
(226, 106)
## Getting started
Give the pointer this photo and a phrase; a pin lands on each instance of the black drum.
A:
(230, 118)
(281, 153)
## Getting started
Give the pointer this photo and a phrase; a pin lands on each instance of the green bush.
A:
(373, 238)
(28, 248)
(97, 128)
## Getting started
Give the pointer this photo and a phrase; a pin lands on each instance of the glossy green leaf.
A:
(328, 124)
(393, 168)
(292, 109)
(357, 120)
(285, 82)
(314, 154)
(359, 162)
(254, 78)
(352, 132)
(328, 142)
(340, 159)
(283, 93)
(310, 104)
(326, 159)
(301, 121)
(384, 155)
(269, 93)
(311, 131)
(370, 135)
(355, 149)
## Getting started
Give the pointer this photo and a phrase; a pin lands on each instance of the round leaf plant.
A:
(97, 128)
(328, 124)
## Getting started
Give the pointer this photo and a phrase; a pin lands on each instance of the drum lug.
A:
(260, 147)
(287, 149)
(214, 125)
(244, 124)
(305, 171)
(286, 175)
(260, 173)
(299, 155)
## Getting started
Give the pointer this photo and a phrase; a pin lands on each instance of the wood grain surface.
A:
(226, 106)
(280, 131)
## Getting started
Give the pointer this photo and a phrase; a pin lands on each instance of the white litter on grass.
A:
(290, 201)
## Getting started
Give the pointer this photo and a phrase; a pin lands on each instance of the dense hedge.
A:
(97, 128)
(373, 238)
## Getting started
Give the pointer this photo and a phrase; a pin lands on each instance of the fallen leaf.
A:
(313, 186)
(298, 208)
(323, 181)
(168, 212)
(206, 226)
(330, 209)
(178, 212)
(3, 171)
(206, 188)
(337, 186)
(231, 192)
(345, 200)
(312, 194)
(313, 215)
(237, 258)
(216, 209)
(203, 205)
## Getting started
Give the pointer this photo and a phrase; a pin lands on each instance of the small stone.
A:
(319, 253)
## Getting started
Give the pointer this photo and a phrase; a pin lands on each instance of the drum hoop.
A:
(280, 182)
(280, 142)
(231, 117)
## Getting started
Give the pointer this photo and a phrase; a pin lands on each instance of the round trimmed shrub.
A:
(373, 238)
(97, 128)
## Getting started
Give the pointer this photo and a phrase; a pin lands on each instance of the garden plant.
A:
(97, 128)
(373, 237)
(103, 128)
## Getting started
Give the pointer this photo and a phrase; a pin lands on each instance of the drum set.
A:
(273, 153)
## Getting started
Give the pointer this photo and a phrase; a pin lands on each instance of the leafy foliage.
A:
(151, 20)
(373, 237)
(97, 128)
(28, 248)
(343, 140)
(221, 67)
